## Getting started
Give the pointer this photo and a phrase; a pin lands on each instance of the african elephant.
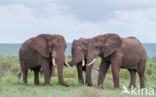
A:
(120, 53)
(79, 53)
(43, 51)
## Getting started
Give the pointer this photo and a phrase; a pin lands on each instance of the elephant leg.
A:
(141, 71)
(80, 73)
(25, 75)
(36, 75)
(24, 69)
(115, 72)
(142, 78)
(60, 73)
(104, 66)
(88, 80)
(46, 71)
(133, 78)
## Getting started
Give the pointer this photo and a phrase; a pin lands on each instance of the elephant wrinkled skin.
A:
(79, 53)
(120, 53)
(43, 51)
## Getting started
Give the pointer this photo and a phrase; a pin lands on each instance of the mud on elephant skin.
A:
(79, 53)
(44, 51)
(120, 52)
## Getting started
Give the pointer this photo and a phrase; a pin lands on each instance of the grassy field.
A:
(12, 87)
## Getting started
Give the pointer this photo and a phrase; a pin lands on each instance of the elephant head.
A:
(79, 51)
(103, 45)
(50, 46)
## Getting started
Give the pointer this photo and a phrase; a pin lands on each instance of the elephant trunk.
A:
(71, 63)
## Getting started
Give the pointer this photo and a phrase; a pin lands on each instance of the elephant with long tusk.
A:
(43, 51)
(79, 53)
(53, 68)
(54, 63)
(118, 52)
(92, 62)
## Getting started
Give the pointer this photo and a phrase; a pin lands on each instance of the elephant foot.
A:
(46, 84)
(142, 87)
(130, 86)
(25, 83)
(89, 84)
(81, 81)
(64, 84)
(37, 84)
(100, 87)
(116, 88)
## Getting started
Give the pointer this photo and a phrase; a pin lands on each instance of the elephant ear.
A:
(112, 43)
(40, 45)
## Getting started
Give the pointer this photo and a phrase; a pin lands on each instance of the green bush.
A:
(124, 74)
(149, 71)
(68, 72)
(97, 63)
(10, 66)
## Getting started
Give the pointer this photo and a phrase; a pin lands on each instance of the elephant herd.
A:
(46, 51)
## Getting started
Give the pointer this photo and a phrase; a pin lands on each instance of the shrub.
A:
(124, 74)
(149, 71)
(97, 63)
(68, 72)
(9, 65)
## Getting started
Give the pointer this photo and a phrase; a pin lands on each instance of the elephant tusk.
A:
(67, 64)
(91, 62)
(83, 63)
(53, 60)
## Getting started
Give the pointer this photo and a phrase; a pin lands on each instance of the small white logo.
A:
(125, 90)
(137, 91)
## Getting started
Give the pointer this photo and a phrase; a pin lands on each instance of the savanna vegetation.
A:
(10, 86)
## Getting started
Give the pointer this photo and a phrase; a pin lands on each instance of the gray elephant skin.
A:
(43, 51)
(79, 56)
(120, 52)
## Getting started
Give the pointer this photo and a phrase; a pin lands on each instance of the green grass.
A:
(11, 87)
